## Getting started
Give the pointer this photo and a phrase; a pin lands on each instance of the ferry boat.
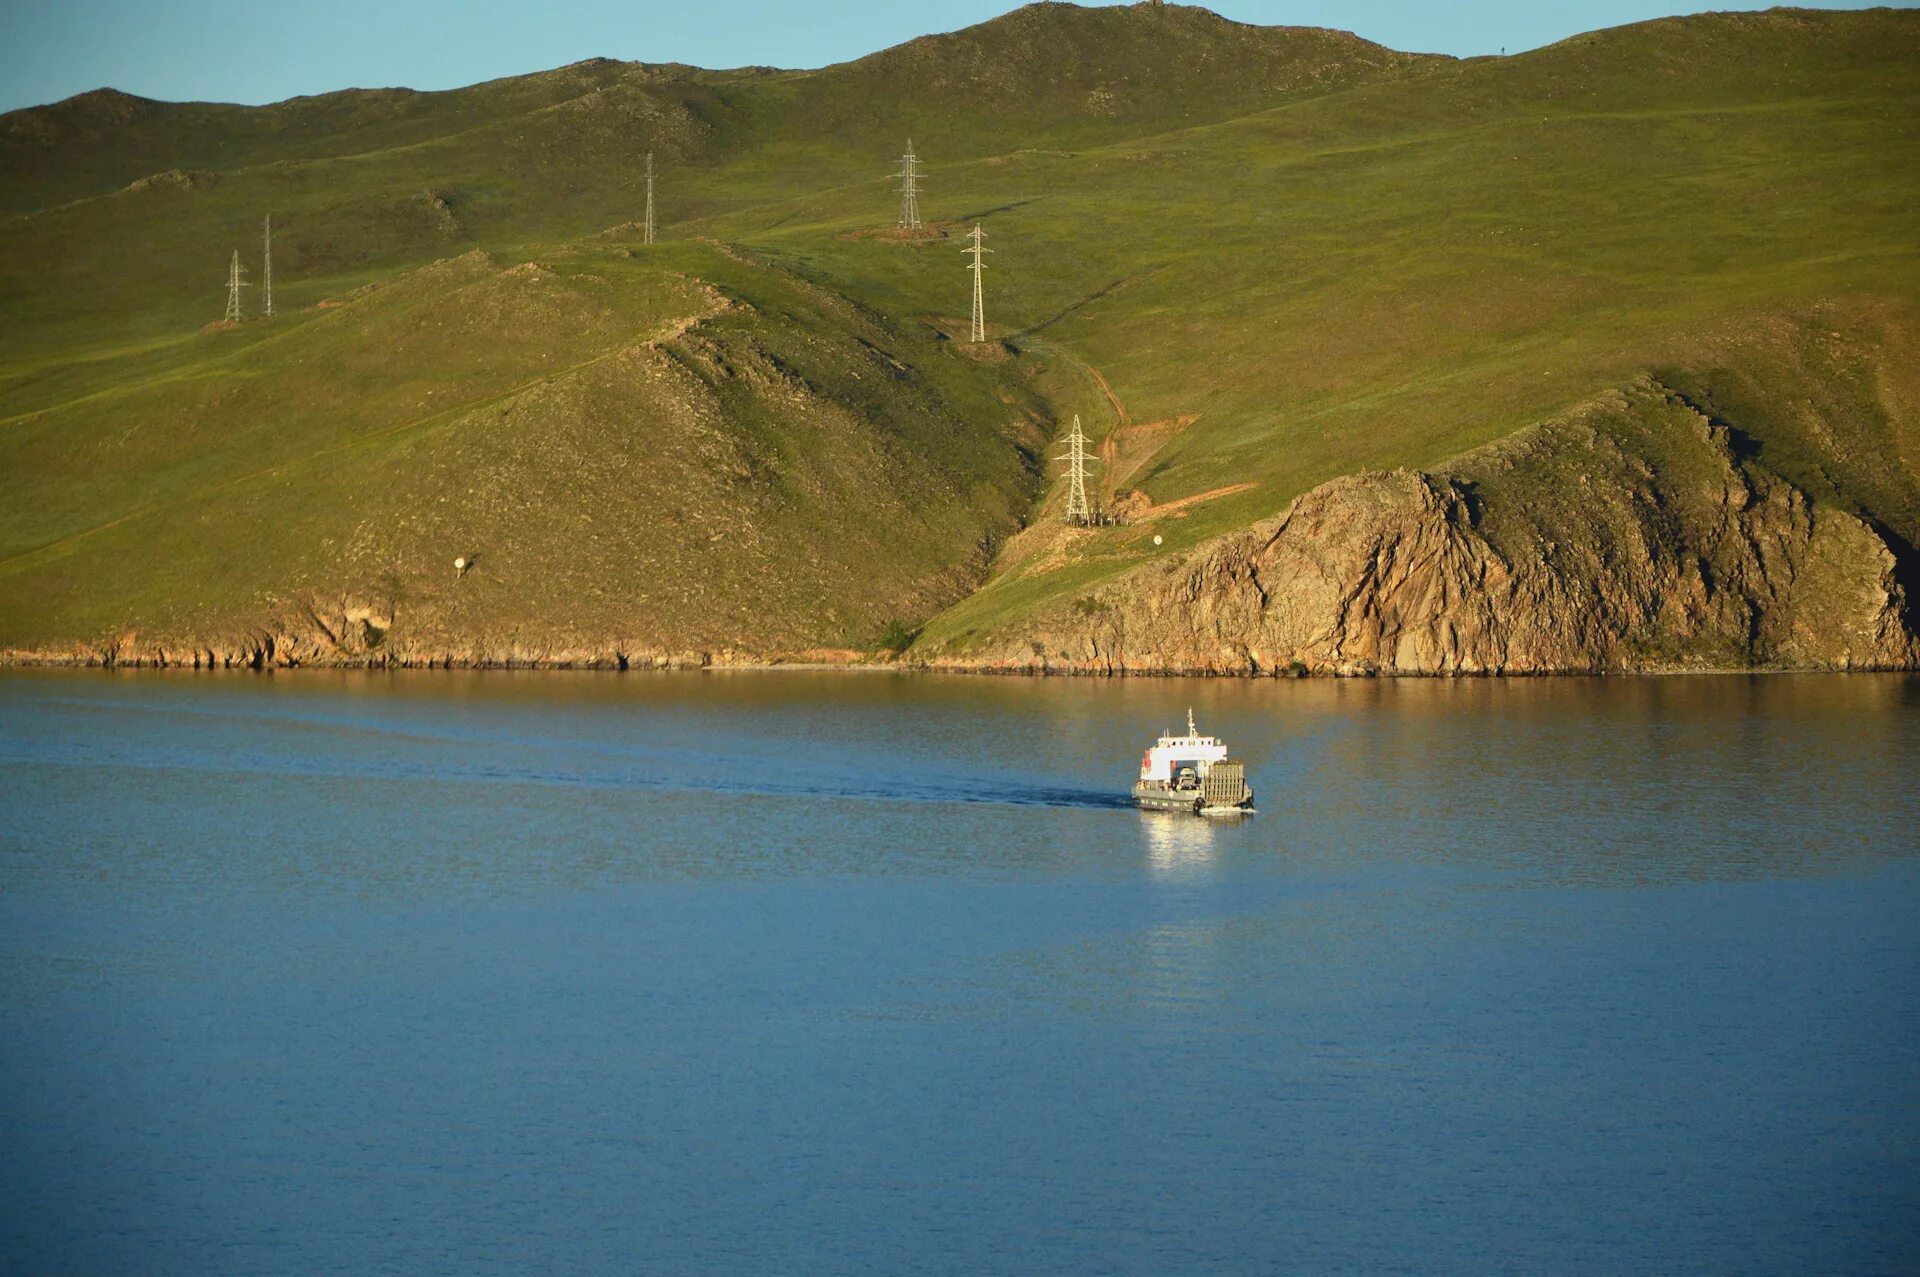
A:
(1192, 773)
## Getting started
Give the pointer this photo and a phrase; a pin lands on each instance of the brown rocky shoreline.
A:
(1034, 667)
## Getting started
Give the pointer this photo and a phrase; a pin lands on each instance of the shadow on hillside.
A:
(1088, 300)
(1001, 208)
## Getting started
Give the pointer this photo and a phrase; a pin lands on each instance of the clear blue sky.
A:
(262, 51)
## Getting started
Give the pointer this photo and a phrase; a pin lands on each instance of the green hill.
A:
(1252, 259)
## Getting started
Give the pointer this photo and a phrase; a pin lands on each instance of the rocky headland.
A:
(1629, 536)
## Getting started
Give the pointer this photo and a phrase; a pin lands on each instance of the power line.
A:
(649, 222)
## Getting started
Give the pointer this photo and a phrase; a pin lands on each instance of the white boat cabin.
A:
(1192, 755)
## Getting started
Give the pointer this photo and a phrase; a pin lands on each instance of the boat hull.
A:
(1159, 798)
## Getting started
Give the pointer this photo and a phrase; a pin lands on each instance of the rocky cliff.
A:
(1630, 535)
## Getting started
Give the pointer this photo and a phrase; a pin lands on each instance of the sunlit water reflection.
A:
(800, 972)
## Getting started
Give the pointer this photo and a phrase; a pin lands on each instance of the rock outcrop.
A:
(348, 631)
(1630, 536)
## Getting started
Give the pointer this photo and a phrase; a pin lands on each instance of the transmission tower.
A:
(649, 224)
(976, 249)
(236, 280)
(1078, 510)
(909, 175)
(266, 274)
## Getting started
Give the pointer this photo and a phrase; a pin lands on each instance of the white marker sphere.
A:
(1156, 538)
(460, 564)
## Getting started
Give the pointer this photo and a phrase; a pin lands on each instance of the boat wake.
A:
(708, 777)
(297, 740)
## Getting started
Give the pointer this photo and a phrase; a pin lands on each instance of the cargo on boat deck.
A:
(1192, 773)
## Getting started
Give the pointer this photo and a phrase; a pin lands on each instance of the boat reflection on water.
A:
(1178, 846)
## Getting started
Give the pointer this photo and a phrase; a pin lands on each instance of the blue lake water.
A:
(791, 972)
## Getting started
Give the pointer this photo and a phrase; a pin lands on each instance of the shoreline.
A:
(621, 665)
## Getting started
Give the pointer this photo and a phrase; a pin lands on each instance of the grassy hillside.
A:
(627, 449)
(1256, 258)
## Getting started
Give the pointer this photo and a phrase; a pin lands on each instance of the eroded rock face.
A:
(1629, 536)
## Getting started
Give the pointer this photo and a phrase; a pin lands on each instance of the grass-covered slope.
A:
(679, 453)
(1253, 259)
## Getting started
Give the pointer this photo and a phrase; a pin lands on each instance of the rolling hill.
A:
(1663, 274)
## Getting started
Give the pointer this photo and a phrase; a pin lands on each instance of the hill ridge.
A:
(1337, 264)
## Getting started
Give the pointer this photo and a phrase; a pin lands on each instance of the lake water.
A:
(766, 972)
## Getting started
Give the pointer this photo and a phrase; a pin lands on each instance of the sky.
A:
(222, 50)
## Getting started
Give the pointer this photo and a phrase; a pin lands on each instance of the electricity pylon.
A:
(975, 248)
(649, 223)
(1078, 510)
(236, 280)
(909, 176)
(266, 274)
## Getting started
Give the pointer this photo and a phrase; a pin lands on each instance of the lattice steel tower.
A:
(975, 249)
(1078, 510)
(236, 280)
(266, 274)
(909, 175)
(649, 222)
